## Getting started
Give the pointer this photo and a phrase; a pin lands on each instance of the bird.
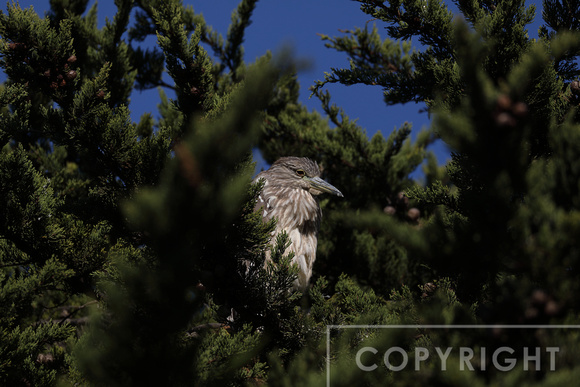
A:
(289, 194)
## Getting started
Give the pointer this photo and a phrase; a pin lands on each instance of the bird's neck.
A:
(296, 208)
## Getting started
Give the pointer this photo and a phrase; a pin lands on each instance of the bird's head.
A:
(301, 172)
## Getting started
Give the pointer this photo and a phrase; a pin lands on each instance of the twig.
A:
(76, 310)
(192, 332)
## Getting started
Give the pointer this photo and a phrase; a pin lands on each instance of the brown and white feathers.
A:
(289, 195)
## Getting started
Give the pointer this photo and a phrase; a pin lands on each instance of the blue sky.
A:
(296, 24)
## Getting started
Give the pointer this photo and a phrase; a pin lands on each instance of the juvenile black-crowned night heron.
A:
(289, 195)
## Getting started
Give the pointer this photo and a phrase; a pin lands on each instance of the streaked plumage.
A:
(289, 194)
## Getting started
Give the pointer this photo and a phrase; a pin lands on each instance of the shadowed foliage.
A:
(130, 252)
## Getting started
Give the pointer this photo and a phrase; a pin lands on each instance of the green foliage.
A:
(130, 252)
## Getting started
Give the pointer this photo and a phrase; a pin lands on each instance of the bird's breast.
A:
(294, 209)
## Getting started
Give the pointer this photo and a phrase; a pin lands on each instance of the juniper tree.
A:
(68, 135)
(494, 237)
(130, 251)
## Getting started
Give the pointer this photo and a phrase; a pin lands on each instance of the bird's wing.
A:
(264, 204)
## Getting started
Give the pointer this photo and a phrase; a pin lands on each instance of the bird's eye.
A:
(300, 172)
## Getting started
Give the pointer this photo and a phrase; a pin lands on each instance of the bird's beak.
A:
(322, 186)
